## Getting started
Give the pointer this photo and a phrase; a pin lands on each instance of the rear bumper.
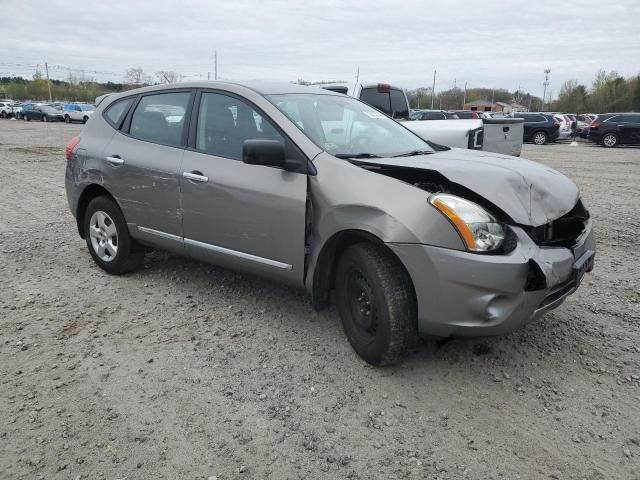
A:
(461, 293)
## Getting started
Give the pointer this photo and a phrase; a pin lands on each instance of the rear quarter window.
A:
(399, 106)
(115, 113)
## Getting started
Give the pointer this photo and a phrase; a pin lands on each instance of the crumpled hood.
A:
(530, 193)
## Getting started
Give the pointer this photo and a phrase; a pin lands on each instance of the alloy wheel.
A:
(610, 140)
(539, 138)
(104, 236)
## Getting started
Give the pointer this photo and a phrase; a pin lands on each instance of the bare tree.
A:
(136, 76)
(168, 76)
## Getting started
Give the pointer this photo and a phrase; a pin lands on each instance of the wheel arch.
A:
(90, 192)
(323, 275)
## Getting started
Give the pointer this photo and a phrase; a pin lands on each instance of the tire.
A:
(67, 119)
(610, 140)
(108, 239)
(26, 118)
(85, 120)
(540, 138)
(44, 118)
(377, 304)
(3, 114)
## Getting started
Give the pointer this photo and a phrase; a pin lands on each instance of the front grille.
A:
(562, 232)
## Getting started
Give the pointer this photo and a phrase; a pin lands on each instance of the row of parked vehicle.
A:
(47, 112)
(607, 129)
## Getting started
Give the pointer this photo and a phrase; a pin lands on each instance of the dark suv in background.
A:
(539, 128)
(611, 130)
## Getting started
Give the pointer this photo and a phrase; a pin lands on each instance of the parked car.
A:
(466, 114)
(44, 113)
(539, 128)
(6, 109)
(413, 238)
(564, 131)
(435, 115)
(612, 130)
(78, 112)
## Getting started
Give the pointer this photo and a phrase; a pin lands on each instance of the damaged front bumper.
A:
(462, 293)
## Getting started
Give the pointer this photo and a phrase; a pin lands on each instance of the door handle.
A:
(115, 160)
(195, 176)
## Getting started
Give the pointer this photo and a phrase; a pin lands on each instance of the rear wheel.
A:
(26, 118)
(108, 239)
(3, 114)
(610, 140)
(85, 119)
(45, 118)
(67, 119)
(376, 303)
(540, 138)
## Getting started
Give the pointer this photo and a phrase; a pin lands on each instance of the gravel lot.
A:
(187, 371)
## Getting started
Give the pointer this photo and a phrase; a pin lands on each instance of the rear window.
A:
(377, 99)
(115, 113)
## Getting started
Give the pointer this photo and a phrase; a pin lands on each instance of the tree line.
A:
(609, 92)
(78, 88)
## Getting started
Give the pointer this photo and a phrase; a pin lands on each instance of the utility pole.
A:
(355, 86)
(215, 65)
(208, 75)
(464, 97)
(46, 69)
(433, 89)
(546, 84)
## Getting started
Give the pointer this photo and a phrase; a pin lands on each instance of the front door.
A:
(250, 217)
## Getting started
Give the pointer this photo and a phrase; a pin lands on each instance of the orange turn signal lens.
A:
(461, 227)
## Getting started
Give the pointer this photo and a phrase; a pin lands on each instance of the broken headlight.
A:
(479, 230)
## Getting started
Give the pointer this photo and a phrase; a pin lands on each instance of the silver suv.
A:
(319, 190)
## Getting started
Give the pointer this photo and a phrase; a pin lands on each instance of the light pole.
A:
(546, 84)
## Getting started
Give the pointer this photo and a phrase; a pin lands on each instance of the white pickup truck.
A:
(502, 135)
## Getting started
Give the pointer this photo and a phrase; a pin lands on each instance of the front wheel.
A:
(85, 119)
(45, 118)
(108, 239)
(67, 119)
(377, 304)
(26, 118)
(610, 140)
(540, 138)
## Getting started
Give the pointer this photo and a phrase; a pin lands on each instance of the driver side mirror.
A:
(258, 151)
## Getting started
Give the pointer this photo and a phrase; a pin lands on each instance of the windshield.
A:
(344, 126)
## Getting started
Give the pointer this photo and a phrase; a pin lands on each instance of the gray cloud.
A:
(491, 43)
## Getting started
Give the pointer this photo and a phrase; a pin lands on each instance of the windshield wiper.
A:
(413, 153)
(357, 155)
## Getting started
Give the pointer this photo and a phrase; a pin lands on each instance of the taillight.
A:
(384, 87)
(556, 124)
(594, 124)
(70, 146)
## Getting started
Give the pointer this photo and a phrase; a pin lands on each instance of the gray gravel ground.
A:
(187, 371)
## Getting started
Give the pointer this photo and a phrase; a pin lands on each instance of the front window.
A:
(343, 126)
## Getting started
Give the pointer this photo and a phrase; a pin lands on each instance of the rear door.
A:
(249, 217)
(142, 163)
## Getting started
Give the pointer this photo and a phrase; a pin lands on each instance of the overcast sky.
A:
(490, 43)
